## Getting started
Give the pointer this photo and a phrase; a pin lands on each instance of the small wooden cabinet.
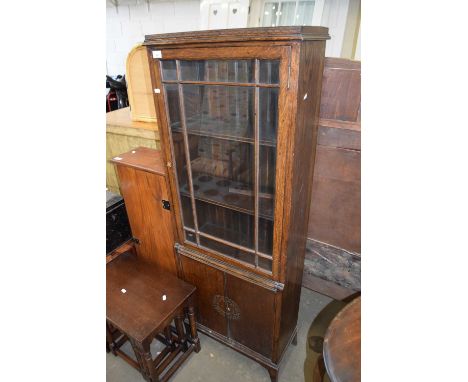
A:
(238, 111)
(143, 184)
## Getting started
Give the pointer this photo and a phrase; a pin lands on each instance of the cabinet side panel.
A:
(209, 294)
(300, 186)
(151, 224)
(251, 318)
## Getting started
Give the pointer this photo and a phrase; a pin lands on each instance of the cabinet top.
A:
(142, 158)
(291, 33)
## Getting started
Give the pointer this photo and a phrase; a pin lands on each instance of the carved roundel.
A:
(226, 307)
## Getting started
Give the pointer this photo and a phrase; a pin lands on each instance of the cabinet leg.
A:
(294, 340)
(319, 370)
(273, 374)
(193, 328)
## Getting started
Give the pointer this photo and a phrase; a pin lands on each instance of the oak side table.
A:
(142, 302)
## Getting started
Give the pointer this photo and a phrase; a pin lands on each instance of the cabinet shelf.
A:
(228, 194)
(230, 132)
(221, 83)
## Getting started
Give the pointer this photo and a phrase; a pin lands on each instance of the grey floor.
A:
(218, 363)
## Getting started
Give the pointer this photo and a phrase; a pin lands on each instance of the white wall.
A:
(334, 17)
(130, 21)
(334, 14)
(128, 24)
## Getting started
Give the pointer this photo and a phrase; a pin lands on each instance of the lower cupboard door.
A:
(250, 311)
(209, 303)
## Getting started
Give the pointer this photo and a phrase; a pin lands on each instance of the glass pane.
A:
(265, 236)
(220, 111)
(169, 71)
(265, 264)
(268, 118)
(220, 126)
(190, 236)
(227, 250)
(222, 172)
(218, 71)
(173, 106)
(269, 14)
(186, 205)
(286, 14)
(172, 99)
(268, 121)
(226, 224)
(305, 13)
(269, 71)
(267, 159)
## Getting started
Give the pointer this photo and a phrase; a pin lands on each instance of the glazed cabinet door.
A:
(223, 113)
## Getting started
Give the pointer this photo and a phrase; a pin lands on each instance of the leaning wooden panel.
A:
(140, 91)
(341, 92)
(335, 216)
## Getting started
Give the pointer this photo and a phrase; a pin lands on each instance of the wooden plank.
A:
(335, 215)
(339, 138)
(324, 287)
(333, 264)
(271, 34)
(341, 90)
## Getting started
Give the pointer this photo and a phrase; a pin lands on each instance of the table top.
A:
(342, 344)
(135, 301)
(122, 117)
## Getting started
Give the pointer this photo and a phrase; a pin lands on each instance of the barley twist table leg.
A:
(145, 359)
(179, 323)
(193, 328)
(168, 335)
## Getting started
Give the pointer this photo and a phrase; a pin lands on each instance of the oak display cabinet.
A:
(238, 112)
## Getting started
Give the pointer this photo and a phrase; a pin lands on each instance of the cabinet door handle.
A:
(166, 204)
